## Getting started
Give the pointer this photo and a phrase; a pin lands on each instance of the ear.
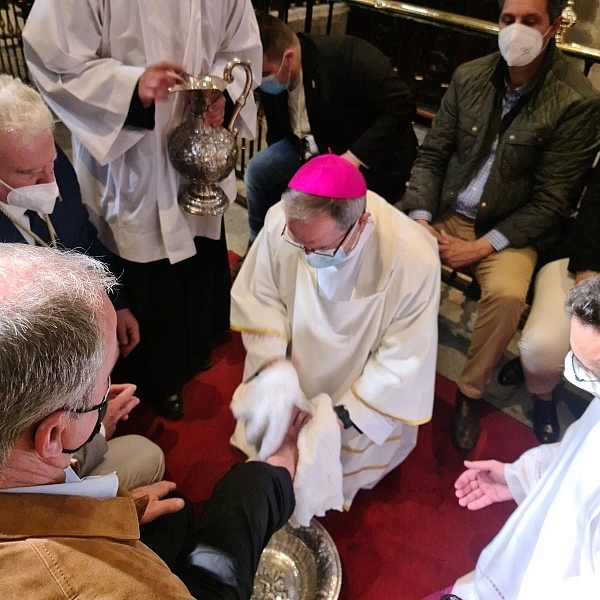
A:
(288, 57)
(362, 222)
(556, 26)
(48, 436)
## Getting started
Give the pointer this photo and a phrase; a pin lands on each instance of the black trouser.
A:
(218, 558)
(180, 307)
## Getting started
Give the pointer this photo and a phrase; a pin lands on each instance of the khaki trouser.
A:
(545, 338)
(504, 278)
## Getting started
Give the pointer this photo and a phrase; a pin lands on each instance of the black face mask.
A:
(101, 408)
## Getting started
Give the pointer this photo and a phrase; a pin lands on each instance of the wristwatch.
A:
(344, 416)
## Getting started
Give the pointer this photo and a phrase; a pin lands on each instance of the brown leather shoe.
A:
(465, 426)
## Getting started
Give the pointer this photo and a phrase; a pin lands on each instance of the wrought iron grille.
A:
(12, 19)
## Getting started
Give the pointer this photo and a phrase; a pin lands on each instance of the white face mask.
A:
(593, 387)
(40, 197)
(520, 45)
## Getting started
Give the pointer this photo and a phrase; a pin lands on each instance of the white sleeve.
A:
(257, 309)
(62, 41)
(528, 469)
(260, 349)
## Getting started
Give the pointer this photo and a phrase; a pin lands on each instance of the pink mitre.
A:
(330, 176)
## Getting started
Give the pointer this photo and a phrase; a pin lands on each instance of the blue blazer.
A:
(72, 224)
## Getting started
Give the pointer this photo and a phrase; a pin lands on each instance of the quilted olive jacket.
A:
(546, 145)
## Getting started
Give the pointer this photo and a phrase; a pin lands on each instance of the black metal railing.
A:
(282, 7)
(424, 43)
(12, 19)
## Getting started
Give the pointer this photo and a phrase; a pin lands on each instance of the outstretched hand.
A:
(482, 484)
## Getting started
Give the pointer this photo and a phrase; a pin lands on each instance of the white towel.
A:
(263, 407)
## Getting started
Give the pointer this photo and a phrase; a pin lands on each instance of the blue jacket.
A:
(71, 222)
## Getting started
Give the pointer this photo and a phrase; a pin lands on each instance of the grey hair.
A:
(299, 206)
(554, 8)
(583, 302)
(23, 114)
(51, 335)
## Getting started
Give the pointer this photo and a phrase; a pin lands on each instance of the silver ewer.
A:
(201, 154)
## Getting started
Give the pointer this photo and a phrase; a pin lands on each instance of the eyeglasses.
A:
(330, 253)
(101, 408)
(582, 375)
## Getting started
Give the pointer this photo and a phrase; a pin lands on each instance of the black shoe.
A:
(205, 365)
(545, 421)
(511, 373)
(171, 407)
(465, 426)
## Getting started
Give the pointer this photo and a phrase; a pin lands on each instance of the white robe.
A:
(375, 352)
(86, 58)
(550, 547)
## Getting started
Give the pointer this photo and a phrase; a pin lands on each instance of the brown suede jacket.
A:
(546, 145)
(78, 548)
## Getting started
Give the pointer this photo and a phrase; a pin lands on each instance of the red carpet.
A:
(401, 541)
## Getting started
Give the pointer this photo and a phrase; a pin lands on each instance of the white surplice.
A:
(86, 58)
(373, 351)
(550, 546)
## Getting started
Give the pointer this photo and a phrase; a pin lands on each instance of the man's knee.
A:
(542, 349)
(504, 291)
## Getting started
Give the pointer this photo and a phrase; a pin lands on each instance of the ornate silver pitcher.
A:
(204, 155)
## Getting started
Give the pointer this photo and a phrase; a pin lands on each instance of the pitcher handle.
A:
(241, 101)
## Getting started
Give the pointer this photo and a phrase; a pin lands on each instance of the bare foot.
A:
(287, 454)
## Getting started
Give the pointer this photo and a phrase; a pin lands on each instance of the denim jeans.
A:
(267, 177)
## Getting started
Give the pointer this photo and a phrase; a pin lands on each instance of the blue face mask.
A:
(319, 261)
(271, 85)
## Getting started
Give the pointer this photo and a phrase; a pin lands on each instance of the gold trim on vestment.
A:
(272, 332)
(383, 414)
(396, 438)
(372, 468)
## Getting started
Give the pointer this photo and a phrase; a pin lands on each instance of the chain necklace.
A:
(38, 240)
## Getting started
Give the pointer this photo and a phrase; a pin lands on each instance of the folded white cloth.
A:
(263, 407)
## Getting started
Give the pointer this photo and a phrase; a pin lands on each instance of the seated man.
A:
(348, 287)
(321, 93)
(550, 545)
(545, 337)
(40, 203)
(497, 175)
(63, 536)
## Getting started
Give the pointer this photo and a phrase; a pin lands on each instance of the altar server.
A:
(105, 67)
(550, 546)
(347, 286)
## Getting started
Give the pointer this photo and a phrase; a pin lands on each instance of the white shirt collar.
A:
(101, 487)
(14, 211)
